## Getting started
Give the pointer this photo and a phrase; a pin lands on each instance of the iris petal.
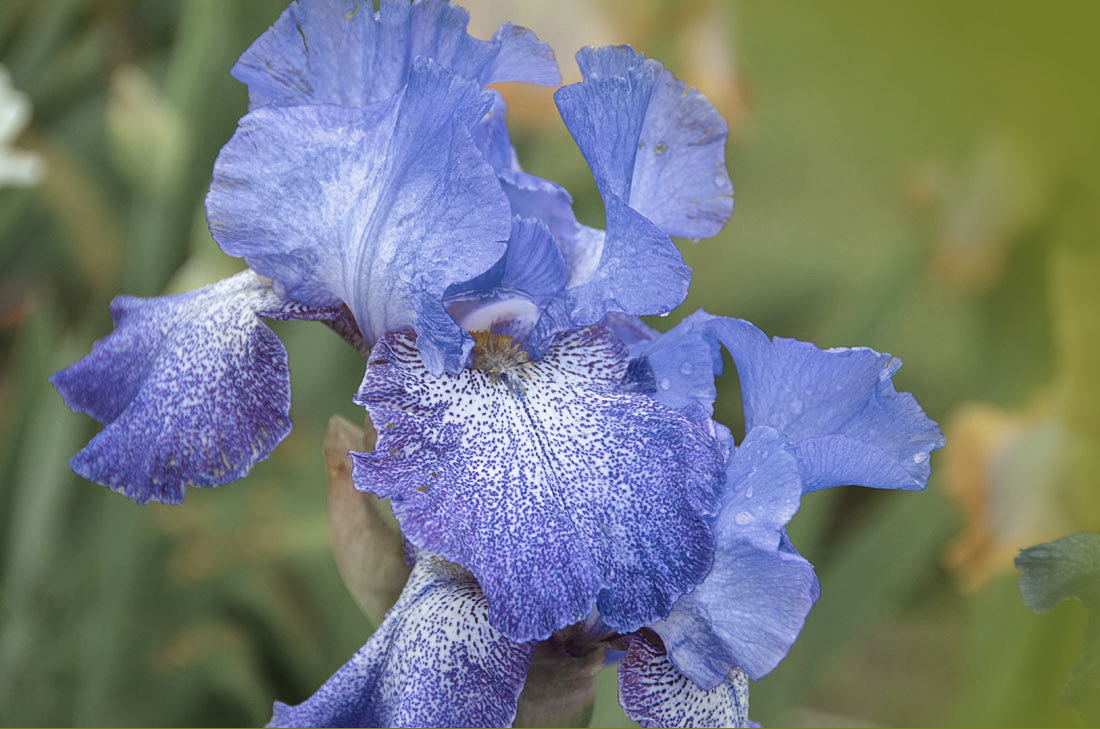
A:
(381, 208)
(434, 661)
(753, 603)
(651, 140)
(657, 151)
(837, 406)
(339, 52)
(193, 388)
(533, 480)
(654, 693)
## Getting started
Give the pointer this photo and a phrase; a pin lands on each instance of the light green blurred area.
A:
(917, 178)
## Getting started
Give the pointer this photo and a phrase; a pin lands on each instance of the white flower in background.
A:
(16, 167)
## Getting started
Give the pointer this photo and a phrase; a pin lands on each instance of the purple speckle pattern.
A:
(435, 661)
(655, 694)
(558, 487)
(193, 388)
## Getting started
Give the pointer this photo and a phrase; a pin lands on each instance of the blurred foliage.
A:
(920, 178)
(1061, 570)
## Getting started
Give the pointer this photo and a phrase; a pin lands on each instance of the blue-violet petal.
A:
(339, 52)
(838, 407)
(753, 603)
(381, 208)
(652, 141)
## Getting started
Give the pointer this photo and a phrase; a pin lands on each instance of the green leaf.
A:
(1056, 571)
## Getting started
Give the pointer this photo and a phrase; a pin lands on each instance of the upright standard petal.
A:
(380, 208)
(339, 52)
(193, 388)
(557, 485)
(657, 152)
(434, 661)
(753, 603)
(838, 407)
(650, 140)
(654, 693)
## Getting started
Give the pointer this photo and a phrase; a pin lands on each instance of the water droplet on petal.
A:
(687, 368)
(920, 458)
(665, 384)
(743, 518)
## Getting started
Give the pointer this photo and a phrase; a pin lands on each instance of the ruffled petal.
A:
(434, 661)
(193, 388)
(753, 603)
(685, 361)
(650, 140)
(639, 270)
(654, 693)
(557, 486)
(838, 407)
(380, 208)
(339, 52)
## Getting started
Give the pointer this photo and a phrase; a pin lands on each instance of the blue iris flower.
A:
(551, 460)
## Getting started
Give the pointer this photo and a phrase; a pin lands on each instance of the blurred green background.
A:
(917, 178)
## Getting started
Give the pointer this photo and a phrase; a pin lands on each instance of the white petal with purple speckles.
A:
(193, 389)
(339, 52)
(556, 487)
(434, 661)
(655, 694)
(380, 208)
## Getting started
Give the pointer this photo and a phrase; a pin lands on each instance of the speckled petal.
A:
(556, 485)
(380, 208)
(339, 52)
(434, 661)
(650, 140)
(838, 407)
(193, 388)
(655, 694)
(753, 603)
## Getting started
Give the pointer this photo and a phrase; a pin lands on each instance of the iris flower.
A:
(551, 460)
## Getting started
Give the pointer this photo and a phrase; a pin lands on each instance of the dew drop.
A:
(920, 458)
(665, 384)
(743, 518)
(687, 368)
